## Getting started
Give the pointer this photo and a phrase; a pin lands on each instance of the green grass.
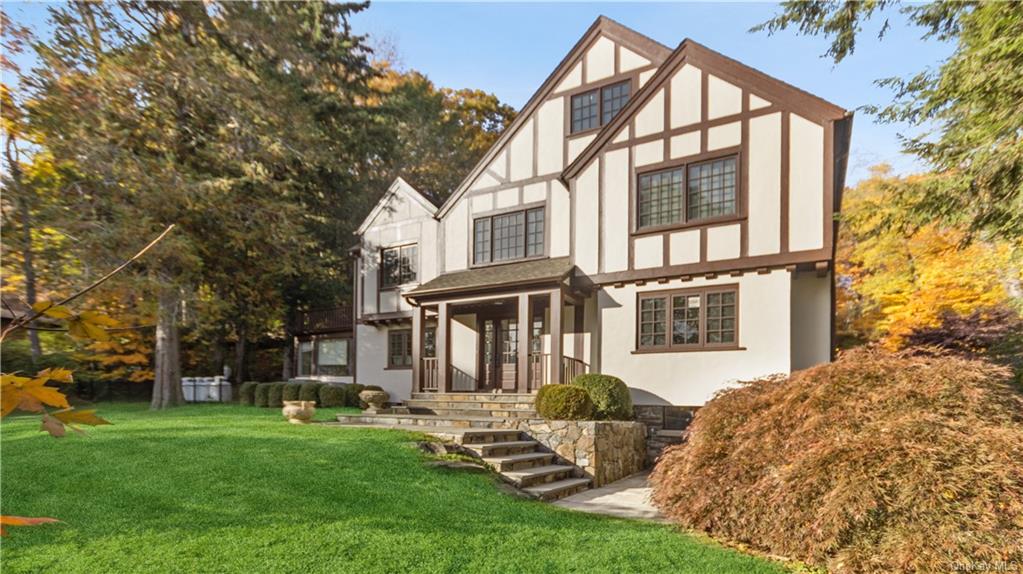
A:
(219, 488)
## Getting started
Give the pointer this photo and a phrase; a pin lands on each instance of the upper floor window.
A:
(399, 265)
(687, 319)
(708, 192)
(599, 106)
(508, 236)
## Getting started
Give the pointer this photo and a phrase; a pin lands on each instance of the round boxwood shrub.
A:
(610, 396)
(309, 392)
(332, 395)
(876, 463)
(276, 395)
(247, 393)
(290, 392)
(352, 394)
(564, 403)
(261, 396)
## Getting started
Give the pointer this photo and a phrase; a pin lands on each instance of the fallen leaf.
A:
(53, 426)
(22, 521)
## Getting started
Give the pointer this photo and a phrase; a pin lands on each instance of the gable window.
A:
(599, 106)
(688, 319)
(399, 265)
(688, 193)
(399, 349)
(508, 236)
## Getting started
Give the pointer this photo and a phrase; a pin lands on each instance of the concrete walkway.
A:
(626, 498)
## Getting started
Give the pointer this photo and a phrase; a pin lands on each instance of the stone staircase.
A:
(483, 425)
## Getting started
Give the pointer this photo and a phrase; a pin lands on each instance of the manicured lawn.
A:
(217, 488)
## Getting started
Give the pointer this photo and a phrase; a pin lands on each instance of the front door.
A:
(499, 357)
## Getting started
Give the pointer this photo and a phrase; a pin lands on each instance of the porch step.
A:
(466, 404)
(503, 448)
(425, 420)
(539, 475)
(474, 412)
(477, 397)
(559, 489)
(514, 462)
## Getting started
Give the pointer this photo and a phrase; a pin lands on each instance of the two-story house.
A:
(664, 216)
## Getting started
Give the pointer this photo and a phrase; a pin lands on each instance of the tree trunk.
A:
(167, 383)
(289, 347)
(241, 349)
(28, 259)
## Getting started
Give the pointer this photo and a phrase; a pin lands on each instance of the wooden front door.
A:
(499, 353)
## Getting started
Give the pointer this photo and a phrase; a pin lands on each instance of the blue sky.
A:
(509, 48)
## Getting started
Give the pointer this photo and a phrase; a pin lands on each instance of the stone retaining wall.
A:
(606, 450)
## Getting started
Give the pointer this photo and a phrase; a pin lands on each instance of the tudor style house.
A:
(664, 216)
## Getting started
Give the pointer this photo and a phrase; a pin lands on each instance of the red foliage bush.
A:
(878, 462)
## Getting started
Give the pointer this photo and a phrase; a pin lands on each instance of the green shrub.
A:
(564, 403)
(276, 395)
(247, 393)
(290, 392)
(310, 392)
(610, 396)
(352, 394)
(332, 396)
(878, 462)
(261, 396)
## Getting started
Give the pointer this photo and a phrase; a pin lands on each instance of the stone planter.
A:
(377, 400)
(299, 412)
(606, 450)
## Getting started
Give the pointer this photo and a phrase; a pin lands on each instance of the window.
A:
(698, 318)
(305, 358)
(430, 342)
(399, 349)
(612, 99)
(709, 191)
(595, 108)
(660, 198)
(508, 236)
(332, 357)
(399, 265)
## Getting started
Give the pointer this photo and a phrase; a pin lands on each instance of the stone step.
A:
(492, 449)
(488, 436)
(514, 462)
(539, 475)
(422, 420)
(478, 397)
(444, 404)
(475, 412)
(549, 491)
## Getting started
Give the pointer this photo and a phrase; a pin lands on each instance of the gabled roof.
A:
(399, 186)
(603, 26)
(708, 60)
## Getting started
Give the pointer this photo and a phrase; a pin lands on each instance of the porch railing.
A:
(431, 382)
(322, 320)
(538, 365)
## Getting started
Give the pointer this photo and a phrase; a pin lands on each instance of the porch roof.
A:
(521, 274)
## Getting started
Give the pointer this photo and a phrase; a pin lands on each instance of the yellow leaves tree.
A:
(894, 279)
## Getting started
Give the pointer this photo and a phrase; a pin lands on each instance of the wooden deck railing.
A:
(539, 373)
(431, 381)
(322, 320)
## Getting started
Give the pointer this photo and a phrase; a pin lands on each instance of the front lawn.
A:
(218, 488)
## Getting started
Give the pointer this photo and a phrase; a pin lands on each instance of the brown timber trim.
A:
(785, 160)
(690, 128)
(704, 267)
(602, 26)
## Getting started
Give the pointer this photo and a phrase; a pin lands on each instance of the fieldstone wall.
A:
(665, 426)
(606, 450)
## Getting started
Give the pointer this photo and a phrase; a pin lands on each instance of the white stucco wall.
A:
(371, 363)
(806, 184)
(691, 378)
(810, 320)
(464, 355)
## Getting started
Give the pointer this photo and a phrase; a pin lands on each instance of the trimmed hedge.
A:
(332, 395)
(352, 394)
(276, 395)
(291, 392)
(261, 396)
(247, 393)
(310, 392)
(564, 403)
(610, 396)
(876, 463)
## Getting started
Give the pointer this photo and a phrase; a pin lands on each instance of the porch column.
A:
(418, 325)
(443, 347)
(524, 319)
(557, 305)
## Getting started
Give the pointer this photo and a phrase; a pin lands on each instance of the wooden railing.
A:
(539, 369)
(431, 380)
(322, 320)
(572, 368)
